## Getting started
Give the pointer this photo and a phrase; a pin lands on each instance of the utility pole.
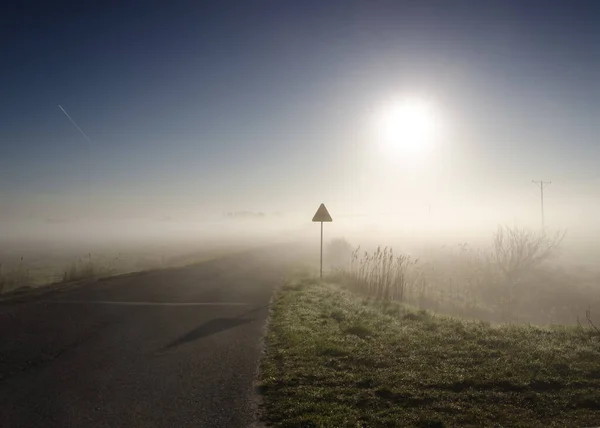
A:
(542, 184)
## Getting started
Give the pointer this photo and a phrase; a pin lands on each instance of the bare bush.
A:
(592, 327)
(516, 252)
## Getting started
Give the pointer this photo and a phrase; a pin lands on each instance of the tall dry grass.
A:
(14, 277)
(87, 268)
(382, 274)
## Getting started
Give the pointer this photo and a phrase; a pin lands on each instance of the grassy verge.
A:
(334, 359)
(48, 270)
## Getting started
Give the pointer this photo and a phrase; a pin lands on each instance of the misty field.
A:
(33, 264)
(516, 277)
(336, 359)
(42, 254)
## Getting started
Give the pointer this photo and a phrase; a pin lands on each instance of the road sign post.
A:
(322, 215)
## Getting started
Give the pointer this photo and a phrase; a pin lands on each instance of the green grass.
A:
(334, 359)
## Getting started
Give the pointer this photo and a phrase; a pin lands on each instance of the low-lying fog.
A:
(458, 270)
(423, 227)
(80, 237)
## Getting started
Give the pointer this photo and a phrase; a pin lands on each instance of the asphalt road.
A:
(173, 348)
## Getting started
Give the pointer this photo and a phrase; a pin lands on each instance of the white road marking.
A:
(108, 302)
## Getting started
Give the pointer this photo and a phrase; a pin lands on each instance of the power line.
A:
(542, 184)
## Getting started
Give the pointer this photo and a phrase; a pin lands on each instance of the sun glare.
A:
(409, 127)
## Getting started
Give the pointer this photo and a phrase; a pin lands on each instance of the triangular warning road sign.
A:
(322, 214)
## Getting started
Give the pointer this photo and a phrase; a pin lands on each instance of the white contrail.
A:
(73, 122)
(89, 157)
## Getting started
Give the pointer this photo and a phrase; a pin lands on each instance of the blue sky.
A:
(196, 108)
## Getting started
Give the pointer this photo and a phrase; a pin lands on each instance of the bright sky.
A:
(198, 108)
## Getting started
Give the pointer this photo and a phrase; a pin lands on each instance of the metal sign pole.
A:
(321, 250)
(320, 216)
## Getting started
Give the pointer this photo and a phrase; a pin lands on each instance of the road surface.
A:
(173, 348)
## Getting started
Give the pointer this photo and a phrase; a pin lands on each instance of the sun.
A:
(408, 126)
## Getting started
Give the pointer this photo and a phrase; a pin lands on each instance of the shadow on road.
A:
(212, 327)
(208, 329)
